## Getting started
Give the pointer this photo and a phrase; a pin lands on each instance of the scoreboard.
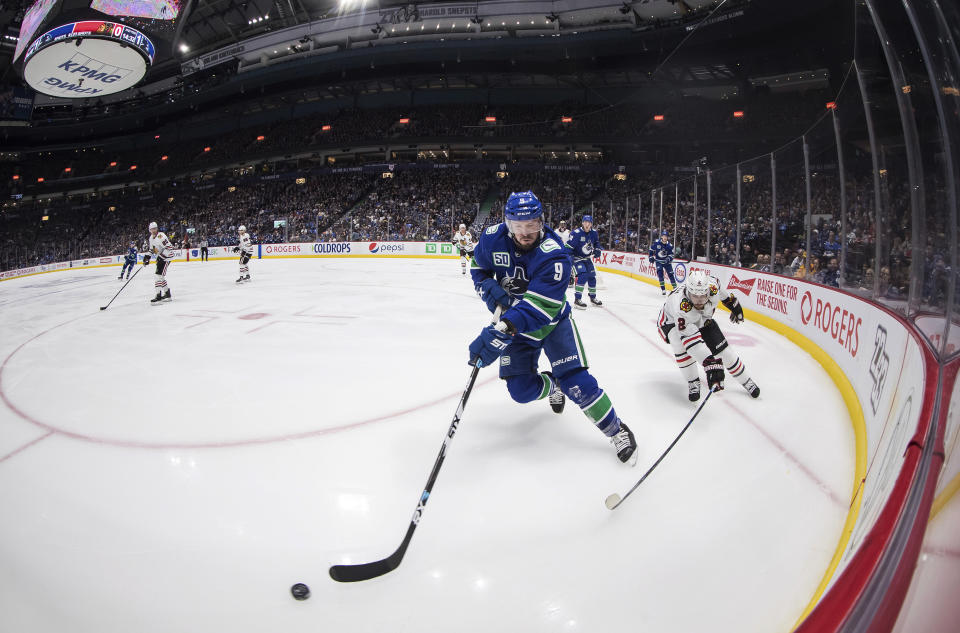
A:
(90, 48)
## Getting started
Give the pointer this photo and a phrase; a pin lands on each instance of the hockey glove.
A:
(236, 249)
(493, 340)
(736, 310)
(146, 259)
(492, 294)
(714, 368)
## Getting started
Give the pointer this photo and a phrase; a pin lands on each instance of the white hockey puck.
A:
(612, 501)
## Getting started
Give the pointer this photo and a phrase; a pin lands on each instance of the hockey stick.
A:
(366, 571)
(615, 500)
(124, 286)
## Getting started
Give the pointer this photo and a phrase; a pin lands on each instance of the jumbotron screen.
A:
(152, 9)
(37, 12)
(159, 18)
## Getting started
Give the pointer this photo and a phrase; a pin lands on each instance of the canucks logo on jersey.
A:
(515, 283)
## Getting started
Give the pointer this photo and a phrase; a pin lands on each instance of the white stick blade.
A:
(612, 501)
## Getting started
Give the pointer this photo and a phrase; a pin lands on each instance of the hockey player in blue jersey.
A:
(584, 245)
(129, 260)
(661, 254)
(522, 266)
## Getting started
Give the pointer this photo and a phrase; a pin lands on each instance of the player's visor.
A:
(525, 227)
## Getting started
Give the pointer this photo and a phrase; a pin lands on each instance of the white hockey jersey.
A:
(463, 240)
(161, 246)
(246, 246)
(679, 310)
(564, 234)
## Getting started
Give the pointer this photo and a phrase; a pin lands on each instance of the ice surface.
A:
(178, 467)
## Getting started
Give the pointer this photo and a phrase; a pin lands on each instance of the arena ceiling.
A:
(724, 57)
(213, 24)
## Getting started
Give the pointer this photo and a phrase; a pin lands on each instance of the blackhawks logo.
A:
(685, 305)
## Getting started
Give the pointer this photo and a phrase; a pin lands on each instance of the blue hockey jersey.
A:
(584, 244)
(131, 256)
(661, 253)
(535, 279)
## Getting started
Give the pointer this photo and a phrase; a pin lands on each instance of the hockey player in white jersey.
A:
(163, 249)
(686, 322)
(564, 233)
(245, 248)
(463, 240)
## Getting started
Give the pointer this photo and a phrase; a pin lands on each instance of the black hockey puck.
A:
(300, 591)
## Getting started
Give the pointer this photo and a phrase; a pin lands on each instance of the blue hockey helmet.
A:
(587, 218)
(664, 234)
(524, 218)
(523, 205)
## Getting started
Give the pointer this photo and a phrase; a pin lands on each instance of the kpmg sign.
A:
(85, 59)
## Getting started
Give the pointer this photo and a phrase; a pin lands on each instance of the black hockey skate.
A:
(556, 397)
(752, 388)
(246, 278)
(596, 301)
(579, 304)
(166, 296)
(240, 279)
(625, 445)
(156, 300)
(693, 390)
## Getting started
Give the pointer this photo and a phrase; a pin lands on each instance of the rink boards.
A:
(292, 249)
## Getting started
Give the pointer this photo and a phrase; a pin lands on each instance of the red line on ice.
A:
(185, 445)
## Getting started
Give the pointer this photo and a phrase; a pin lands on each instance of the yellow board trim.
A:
(213, 259)
(856, 419)
(942, 499)
(355, 255)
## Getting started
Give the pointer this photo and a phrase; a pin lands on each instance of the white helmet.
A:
(463, 226)
(242, 228)
(152, 226)
(698, 283)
